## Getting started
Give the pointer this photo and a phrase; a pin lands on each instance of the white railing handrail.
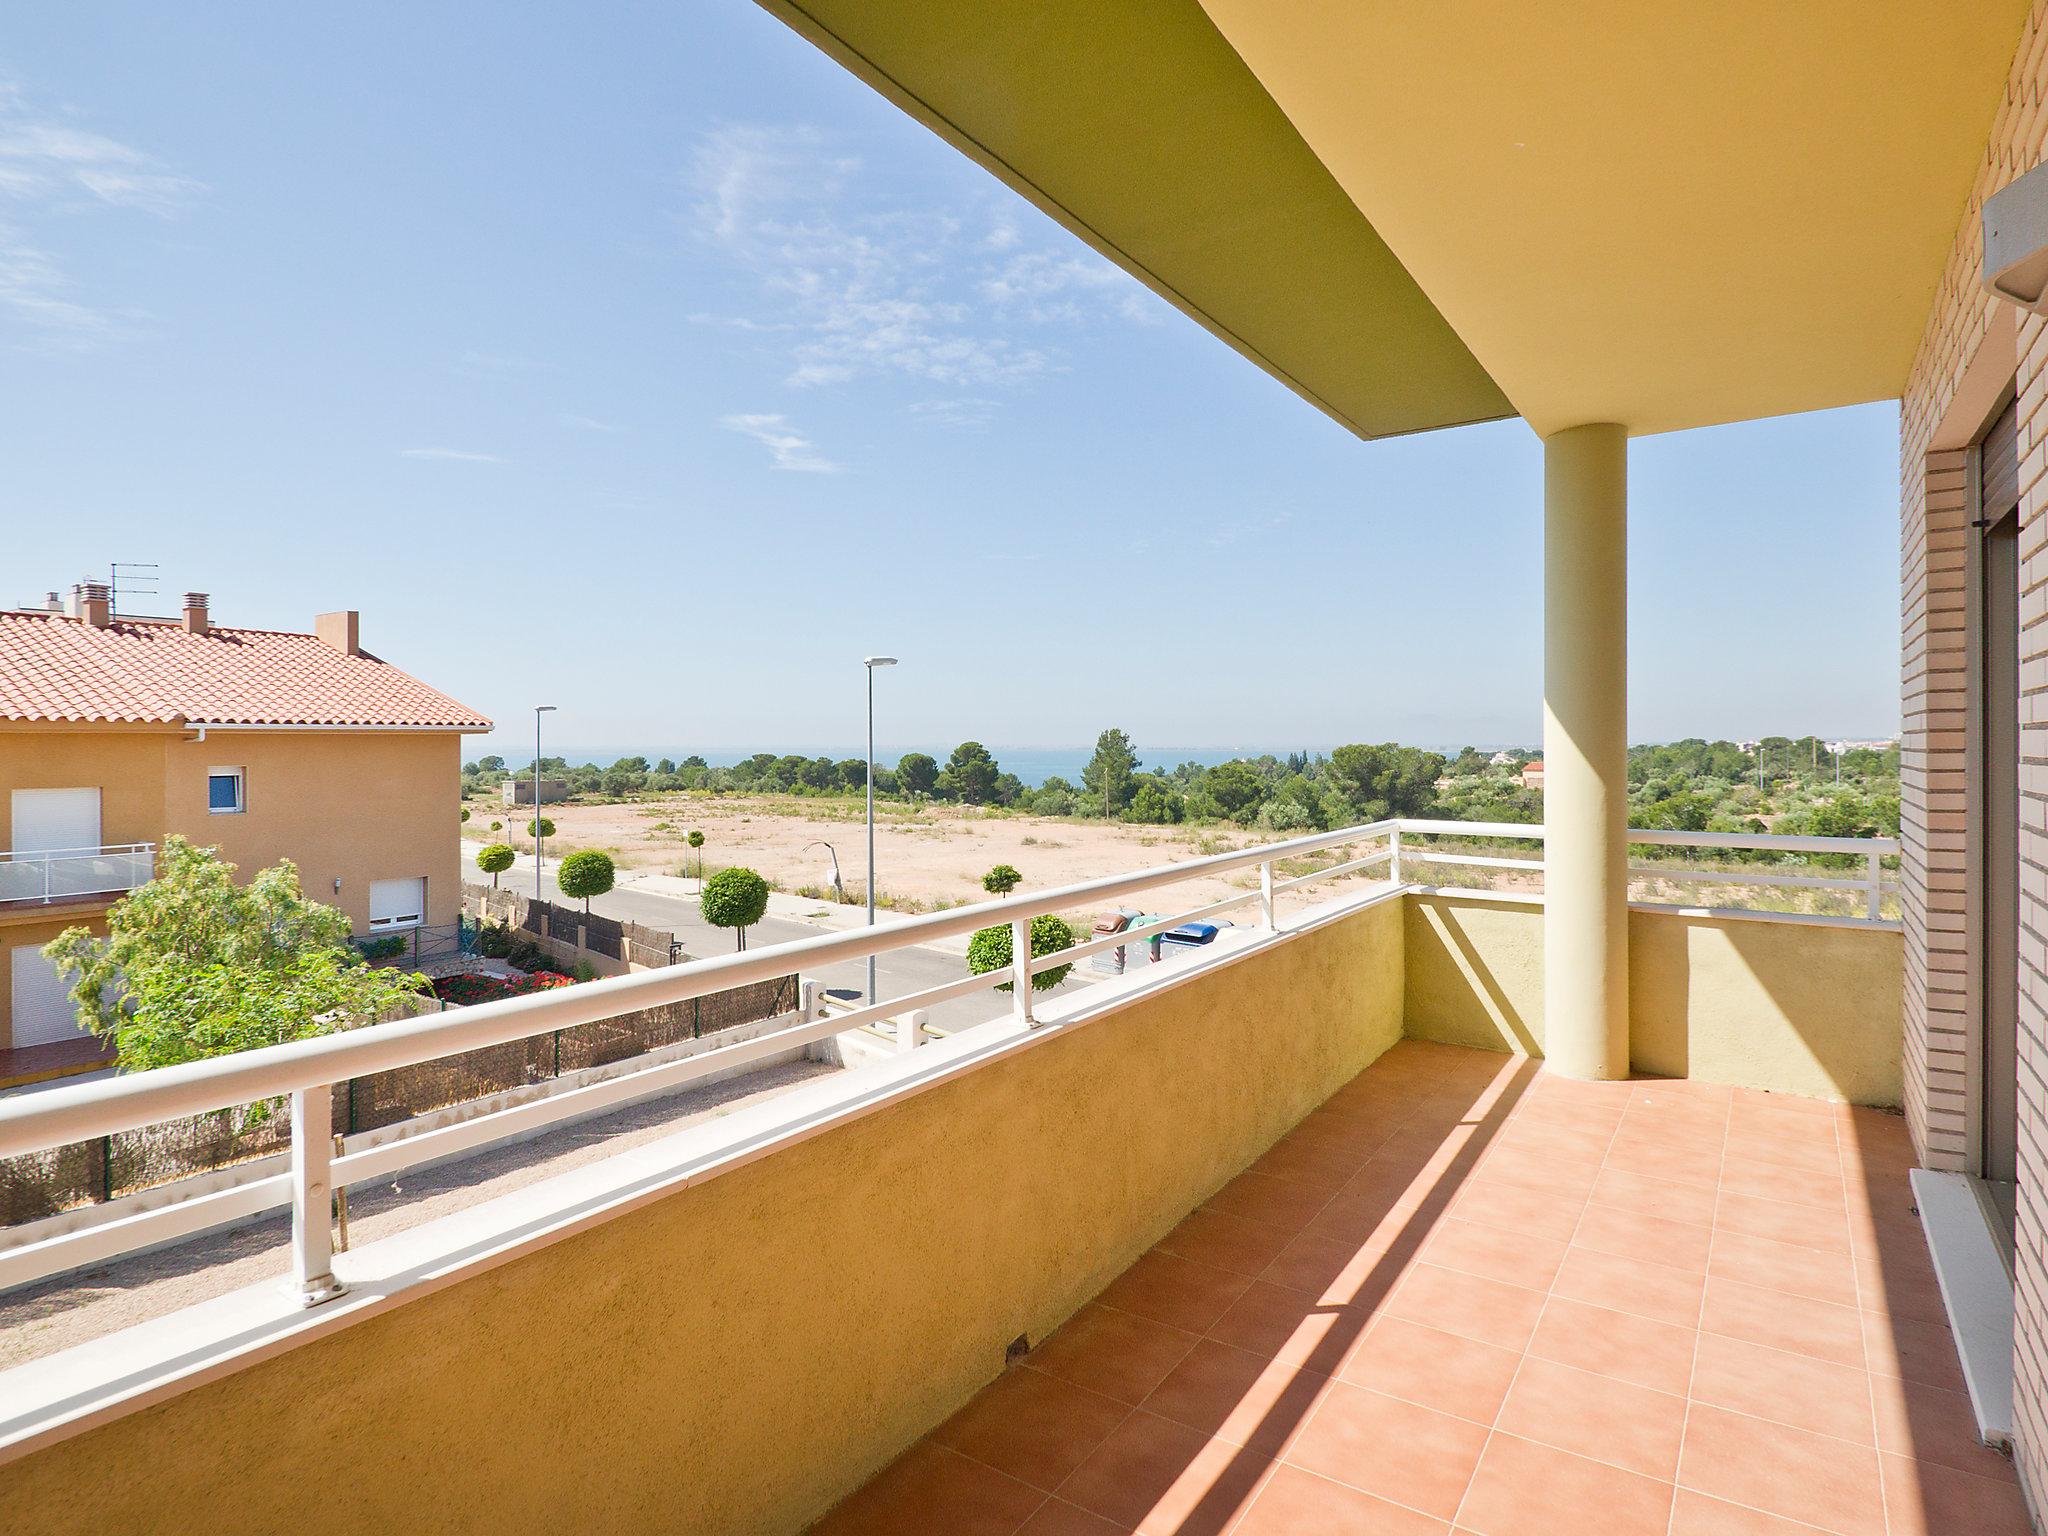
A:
(1763, 842)
(56, 1116)
(305, 1070)
(98, 851)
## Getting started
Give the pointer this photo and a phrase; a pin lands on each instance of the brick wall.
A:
(1935, 550)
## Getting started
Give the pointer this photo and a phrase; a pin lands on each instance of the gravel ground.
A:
(86, 1304)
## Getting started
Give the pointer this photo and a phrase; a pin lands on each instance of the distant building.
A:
(1532, 775)
(519, 791)
(1501, 759)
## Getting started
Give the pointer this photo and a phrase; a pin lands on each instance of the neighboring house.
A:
(1501, 759)
(117, 732)
(1532, 774)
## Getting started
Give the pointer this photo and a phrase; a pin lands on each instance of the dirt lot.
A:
(927, 857)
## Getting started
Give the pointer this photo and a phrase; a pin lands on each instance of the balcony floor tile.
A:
(1469, 1297)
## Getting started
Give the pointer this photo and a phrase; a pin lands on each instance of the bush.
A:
(584, 875)
(989, 950)
(545, 827)
(386, 948)
(494, 941)
(529, 955)
(735, 898)
(1001, 880)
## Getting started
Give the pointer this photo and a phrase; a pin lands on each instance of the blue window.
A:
(224, 791)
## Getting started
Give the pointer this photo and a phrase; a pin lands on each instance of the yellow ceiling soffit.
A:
(1138, 128)
(1665, 215)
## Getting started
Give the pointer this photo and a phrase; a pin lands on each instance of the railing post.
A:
(908, 1027)
(313, 1276)
(1267, 919)
(1394, 852)
(1876, 908)
(1020, 972)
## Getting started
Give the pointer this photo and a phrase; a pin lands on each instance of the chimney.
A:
(339, 630)
(89, 603)
(195, 613)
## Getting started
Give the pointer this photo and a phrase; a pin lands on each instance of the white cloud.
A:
(971, 414)
(789, 448)
(591, 424)
(865, 290)
(50, 170)
(450, 455)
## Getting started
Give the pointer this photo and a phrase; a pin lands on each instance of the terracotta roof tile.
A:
(52, 667)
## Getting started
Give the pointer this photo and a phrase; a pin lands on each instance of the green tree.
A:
(194, 965)
(1110, 769)
(970, 774)
(494, 860)
(989, 950)
(1155, 803)
(917, 773)
(586, 874)
(1375, 782)
(1237, 788)
(544, 827)
(1001, 880)
(735, 898)
(696, 842)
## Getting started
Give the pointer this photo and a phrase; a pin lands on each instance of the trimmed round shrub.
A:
(494, 860)
(1001, 880)
(695, 839)
(542, 828)
(989, 950)
(586, 874)
(735, 898)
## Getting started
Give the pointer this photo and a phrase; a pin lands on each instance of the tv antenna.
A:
(140, 576)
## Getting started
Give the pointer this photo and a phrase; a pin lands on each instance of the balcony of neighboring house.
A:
(49, 877)
(41, 891)
(1293, 1233)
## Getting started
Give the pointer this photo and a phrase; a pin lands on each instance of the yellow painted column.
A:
(1585, 751)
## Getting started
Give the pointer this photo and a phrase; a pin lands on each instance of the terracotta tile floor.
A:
(1466, 1296)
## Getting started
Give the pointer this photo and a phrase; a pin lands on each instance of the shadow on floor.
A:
(1463, 1295)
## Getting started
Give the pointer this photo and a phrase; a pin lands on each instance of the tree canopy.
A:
(735, 898)
(1109, 770)
(970, 774)
(494, 859)
(917, 773)
(195, 965)
(585, 874)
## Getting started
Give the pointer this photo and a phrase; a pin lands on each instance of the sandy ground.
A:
(929, 857)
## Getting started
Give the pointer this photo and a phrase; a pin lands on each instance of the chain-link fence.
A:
(39, 1184)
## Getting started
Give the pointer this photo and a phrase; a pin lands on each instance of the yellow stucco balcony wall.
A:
(738, 1354)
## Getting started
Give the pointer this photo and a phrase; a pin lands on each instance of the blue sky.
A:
(643, 363)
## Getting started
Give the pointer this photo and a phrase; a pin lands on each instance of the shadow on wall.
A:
(1790, 1007)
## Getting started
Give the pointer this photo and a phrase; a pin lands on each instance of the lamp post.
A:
(871, 663)
(538, 711)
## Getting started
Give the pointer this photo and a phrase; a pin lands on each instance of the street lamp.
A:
(871, 663)
(538, 711)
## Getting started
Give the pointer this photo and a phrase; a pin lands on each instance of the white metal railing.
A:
(305, 1070)
(60, 874)
(1869, 883)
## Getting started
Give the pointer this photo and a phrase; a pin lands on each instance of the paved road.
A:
(897, 972)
